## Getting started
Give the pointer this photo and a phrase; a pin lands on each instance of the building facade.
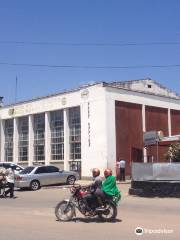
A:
(93, 126)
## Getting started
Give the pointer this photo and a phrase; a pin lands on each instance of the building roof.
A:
(147, 86)
(66, 91)
(165, 141)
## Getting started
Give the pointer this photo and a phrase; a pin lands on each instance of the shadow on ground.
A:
(92, 220)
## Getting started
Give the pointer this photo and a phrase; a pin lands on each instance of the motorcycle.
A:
(66, 209)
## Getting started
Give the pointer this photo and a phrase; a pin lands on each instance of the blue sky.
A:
(88, 22)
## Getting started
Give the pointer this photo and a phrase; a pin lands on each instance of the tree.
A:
(173, 153)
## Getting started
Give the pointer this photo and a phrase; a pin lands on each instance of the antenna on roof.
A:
(1, 102)
(16, 90)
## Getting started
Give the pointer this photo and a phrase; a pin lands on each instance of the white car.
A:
(34, 177)
(7, 165)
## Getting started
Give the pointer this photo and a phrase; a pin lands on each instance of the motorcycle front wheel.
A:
(64, 211)
(110, 214)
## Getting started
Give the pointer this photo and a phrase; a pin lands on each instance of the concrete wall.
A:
(93, 125)
(94, 143)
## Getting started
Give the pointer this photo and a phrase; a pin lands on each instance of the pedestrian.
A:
(2, 179)
(122, 166)
(10, 177)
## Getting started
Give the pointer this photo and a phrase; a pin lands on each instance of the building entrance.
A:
(136, 155)
(75, 166)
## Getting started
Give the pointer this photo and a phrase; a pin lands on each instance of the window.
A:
(57, 135)
(75, 133)
(51, 169)
(149, 85)
(23, 139)
(27, 170)
(7, 165)
(8, 147)
(41, 170)
(39, 134)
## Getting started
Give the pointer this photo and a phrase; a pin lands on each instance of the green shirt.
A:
(110, 188)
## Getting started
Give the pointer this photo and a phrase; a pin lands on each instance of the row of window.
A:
(57, 136)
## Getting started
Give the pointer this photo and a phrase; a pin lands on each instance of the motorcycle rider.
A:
(109, 188)
(97, 184)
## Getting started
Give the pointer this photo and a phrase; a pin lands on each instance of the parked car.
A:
(7, 165)
(34, 177)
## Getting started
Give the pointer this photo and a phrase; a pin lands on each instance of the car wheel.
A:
(35, 185)
(71, 180)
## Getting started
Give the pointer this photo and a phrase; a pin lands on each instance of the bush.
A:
(173, 153)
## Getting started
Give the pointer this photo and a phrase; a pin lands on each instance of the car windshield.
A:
(27, 170)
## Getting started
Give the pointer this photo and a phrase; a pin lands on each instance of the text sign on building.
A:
(150, 138)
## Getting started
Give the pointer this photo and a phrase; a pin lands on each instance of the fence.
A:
(155, 171)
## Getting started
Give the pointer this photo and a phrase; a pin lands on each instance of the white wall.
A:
(111, 133)
(93, 127)
(94, 131)
(42, 105)
(142, 98)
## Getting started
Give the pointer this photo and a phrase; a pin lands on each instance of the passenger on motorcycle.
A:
(109, 188)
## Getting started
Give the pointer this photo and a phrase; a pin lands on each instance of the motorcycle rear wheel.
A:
(64, 211)
(110, 214)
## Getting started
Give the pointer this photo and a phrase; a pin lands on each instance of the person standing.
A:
(122, 166)
(2, 180)
(10, 182)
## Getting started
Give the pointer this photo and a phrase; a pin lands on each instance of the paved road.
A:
(31, 217)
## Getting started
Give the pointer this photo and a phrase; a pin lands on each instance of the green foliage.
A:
(173, 153)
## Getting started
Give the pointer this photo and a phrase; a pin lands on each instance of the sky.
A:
(86, 33)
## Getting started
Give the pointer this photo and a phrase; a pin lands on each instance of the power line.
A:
(89, 66)
(120, 44)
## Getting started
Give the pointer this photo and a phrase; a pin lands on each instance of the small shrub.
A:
(173, 153)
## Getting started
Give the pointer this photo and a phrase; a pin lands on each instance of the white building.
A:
(83, 126)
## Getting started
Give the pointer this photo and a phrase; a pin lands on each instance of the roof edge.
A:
(138, 91)
(54, 94)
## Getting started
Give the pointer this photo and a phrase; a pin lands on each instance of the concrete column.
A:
(15, 141)
(2, 144)
(31, 140)
(47, 138)
(66, 139)
(144, 129)
(169, 122)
